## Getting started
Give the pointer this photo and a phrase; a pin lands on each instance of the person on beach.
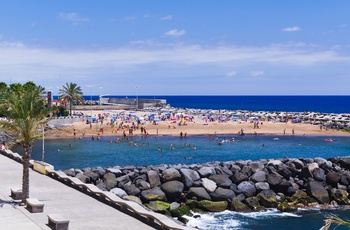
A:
(293, 131)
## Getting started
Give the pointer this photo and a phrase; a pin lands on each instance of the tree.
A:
(3, 87)
(27, 112)
(71, 92)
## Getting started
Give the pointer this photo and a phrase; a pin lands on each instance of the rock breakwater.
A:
(243, 186)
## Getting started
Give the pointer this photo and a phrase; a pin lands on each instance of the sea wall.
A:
(243, 186)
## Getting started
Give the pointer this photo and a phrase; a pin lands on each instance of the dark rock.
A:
(172, 189)
(221, 180)
(299, 196)
(206, 171)
(213, 206)
(238, 177)
(247, 188)
(123, 180)
(142, 185)
(83, 178)
(239, 206)
(256, 166)
(199, 193)
(93, 176)
(274, 179)
(227, 171)
(305, 173)
(221, 194)
(153, 178)
(316, 190)
(267, 198)
(188, 177)
(319, 174)
(253, 203)
(332, 178)
(261, 186)
(285, 172)
(286, 207)
(247, 170)
(283, 186)
(340, 196)
(345, 162)
(132, 190)
(171, 174)
(110, 181)
(115, 171)
(158, 206)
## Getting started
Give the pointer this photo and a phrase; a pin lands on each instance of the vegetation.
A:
(27, 112)
(332, 219)
(72, 93)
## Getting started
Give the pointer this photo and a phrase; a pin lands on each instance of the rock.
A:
(119, 192)
(340, 196)
(153, 194)
(209, 185)
(206, 171)
(285, 172)
(133, 198)
(221, 180)
(286, 207)
(238, 177)
(247, 188)
(222, 194)
(123, 180)
(188, 177)
(256, 166)
(253, 203)
(116, 172)
(180, 211)
(312, 167)
(142, 185)
(332, 178)
(274, 179)
(317, 191)
(83, 178)
(239, 206)
(172, 189)
(158, 206)
(171, 174)
(283, 186)
(226, 171)
(199, 193)
(153, 178)
(258, 176)
(305, 173)
(261, 186)
(319, 174)
(132, 190)
(267, 198)
(110, 181)
(299, 196)
(213, 206)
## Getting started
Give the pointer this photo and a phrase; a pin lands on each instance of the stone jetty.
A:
(243, 186)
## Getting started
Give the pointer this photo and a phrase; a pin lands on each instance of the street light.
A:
(43, 152)
(90, 86)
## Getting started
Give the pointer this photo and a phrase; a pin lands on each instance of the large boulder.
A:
(247, 188)
(172, 189)
(132, 190)
(171, 174)
(267, 198)
(258, 176)
(123, 180)
(221, 194)
(110, 181)
(212, 206)
(253, 203)
(153, 194)
(206, 171)
(332, 178)
(115, 171)
(274, 179)
(340, 196)
(261, 186)
(221, 180)
(238, 177)
(239, 206)
(158, 206)
(319, 174)
(317, 191)
(119, 192)
(189, 176)
(153, 178)
(142, 185)
(256, 166)
(199, 193)
(209, 185)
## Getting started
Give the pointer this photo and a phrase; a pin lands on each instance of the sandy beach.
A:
(197, 126)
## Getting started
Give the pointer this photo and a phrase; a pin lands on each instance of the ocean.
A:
(70, 153)
(321, 104)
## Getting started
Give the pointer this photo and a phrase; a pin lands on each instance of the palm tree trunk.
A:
(25, 175)
(70, 108)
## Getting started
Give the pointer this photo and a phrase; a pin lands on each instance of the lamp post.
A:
(90, 86)
(43, 152)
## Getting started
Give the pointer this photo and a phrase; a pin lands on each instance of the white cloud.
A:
(74, 18)
(167, 17)
(175, 33)
(130, 18)
(291, 29)
(256, 73)
(231, 74)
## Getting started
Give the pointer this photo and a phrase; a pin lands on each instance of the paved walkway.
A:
(83, 211)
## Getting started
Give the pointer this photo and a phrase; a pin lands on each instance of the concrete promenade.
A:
(83, 211)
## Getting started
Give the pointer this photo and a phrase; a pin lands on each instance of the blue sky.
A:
(179, 47)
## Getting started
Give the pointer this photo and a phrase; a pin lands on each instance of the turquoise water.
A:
(74, 153)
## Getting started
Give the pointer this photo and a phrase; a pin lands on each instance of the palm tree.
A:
(332, 219)
(27, 112)
(71, 92)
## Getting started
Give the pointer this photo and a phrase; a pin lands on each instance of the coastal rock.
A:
(260, 186)
(253, 203)
(239, 206)
(238, 177)
(340, 196)
(110, 181)
(206, 171)
(256, 166)
(221, 194)
(132, 190)
(152, 194)
(319, 174)
(258, 176)
(247, 188)
(119, 192)
(305, 173)
(274, 179)
(172, 189)
(317, 191)
(142, 185)
(153, 178)
(188, 177)
(171, 174)
(199, 193)
(115, 171)
(286, 207)
(332, 178)
(221, 180)
(133, 198)
(267, 198)
(213, 206)
(83, 178)
(285, 172)
(158, 206)
(92, 176)
(123, 180)
(299, 196)
(209, 185)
